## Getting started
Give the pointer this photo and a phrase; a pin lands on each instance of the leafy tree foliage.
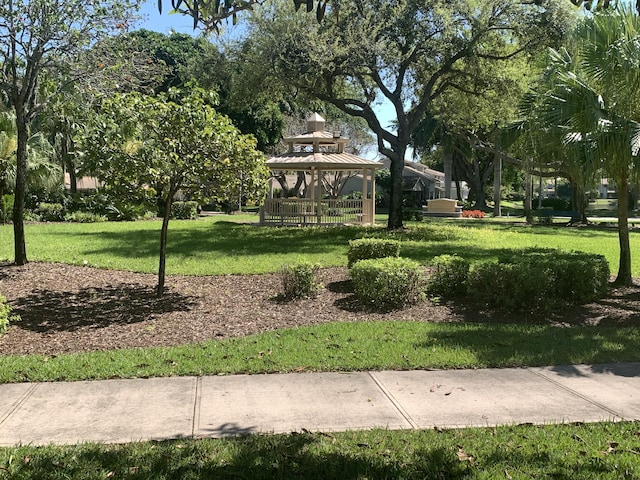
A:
(145, 145)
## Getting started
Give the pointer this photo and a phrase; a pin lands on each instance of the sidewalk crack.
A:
(393, 401)
(577, 394)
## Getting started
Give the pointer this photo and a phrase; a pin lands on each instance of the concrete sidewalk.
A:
(193, 407)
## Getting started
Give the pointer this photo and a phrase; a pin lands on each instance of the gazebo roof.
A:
(320, 139)
(320, 160)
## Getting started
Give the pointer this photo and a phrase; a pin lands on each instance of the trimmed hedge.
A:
(388, 283)
(539, 281)
(300, 280)
(370, 248)
(449, 276)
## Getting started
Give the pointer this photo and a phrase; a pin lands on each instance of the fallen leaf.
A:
(464, 456)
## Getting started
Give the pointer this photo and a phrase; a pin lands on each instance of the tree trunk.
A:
(395, 201)
(624, 267)
(497, 181)
(448, 169)
(19, 244)
(528, 196)
(163, 243)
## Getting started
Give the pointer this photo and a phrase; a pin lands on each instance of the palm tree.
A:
(591, 107)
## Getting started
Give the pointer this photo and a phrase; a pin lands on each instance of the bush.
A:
(50, 212)
(84, 217)
(6, 208)
(369, 248)
(184, 210)
(449, 276)
(5, 315)
(388, 283)
(539, 281)
(300, 280)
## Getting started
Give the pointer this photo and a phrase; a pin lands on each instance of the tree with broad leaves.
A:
(40, 36)
(169, 143)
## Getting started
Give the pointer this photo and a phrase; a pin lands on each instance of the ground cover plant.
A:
(593, 451)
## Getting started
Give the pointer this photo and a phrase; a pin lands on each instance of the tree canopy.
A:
(376, 51)
(141, 146)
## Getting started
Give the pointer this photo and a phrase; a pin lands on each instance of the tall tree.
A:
(172, 143)
(39, 36)
(405, 53)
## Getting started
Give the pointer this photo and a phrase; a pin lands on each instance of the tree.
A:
(405, 53)
(593, 104)
(172, 143)
(40, 36)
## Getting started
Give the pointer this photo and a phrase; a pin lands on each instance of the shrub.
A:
(84, 217)
(50, 212)
(539, 281)
(472, 214)
(6, 208)
(369, 248)
(184, 210)
(449, 276)
(388, 283)
(5, 315)
(300, 280)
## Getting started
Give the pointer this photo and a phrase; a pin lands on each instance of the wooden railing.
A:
(304, 211)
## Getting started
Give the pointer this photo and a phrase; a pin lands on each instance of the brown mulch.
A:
(67, 308)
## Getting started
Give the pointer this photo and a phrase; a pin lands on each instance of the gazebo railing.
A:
(305, 211)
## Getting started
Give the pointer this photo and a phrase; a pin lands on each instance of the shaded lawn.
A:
(594, 451)
(215, 245)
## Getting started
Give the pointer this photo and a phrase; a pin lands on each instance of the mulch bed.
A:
(67, 308)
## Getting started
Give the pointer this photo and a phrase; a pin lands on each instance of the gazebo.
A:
(318, 152)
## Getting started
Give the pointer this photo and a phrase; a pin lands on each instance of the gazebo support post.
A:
(319, 207)
(365, 211)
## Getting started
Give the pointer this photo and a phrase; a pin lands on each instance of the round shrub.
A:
(388, 283)
(184, 210)
(300, 280)
(369, 248)
(449, 276)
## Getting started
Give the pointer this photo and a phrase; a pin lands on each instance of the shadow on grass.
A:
(224, 238)
(57, 311)
(293, 456)
(524, 453)
(537, 345)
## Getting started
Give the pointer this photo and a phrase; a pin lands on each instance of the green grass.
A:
(219, 245)
(345, 347)
(595, 451)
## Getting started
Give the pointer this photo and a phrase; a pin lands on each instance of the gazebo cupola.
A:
(317, 152)
(317, 138)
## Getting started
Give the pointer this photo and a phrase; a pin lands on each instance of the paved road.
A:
(115, 411)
